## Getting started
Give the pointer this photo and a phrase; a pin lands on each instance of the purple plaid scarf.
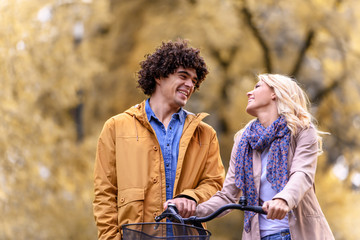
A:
(255, 136)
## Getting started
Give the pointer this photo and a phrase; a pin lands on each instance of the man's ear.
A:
(157, 80)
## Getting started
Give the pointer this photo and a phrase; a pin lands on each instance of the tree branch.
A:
(224, 63)
(320, 95)
(307, 43)
(259, 38)
(309, 37)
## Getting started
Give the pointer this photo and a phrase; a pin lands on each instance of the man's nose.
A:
(189, 83)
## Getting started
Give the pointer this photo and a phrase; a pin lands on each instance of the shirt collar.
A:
(181, 114)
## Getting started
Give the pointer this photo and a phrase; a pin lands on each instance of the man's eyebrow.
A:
(187, 73)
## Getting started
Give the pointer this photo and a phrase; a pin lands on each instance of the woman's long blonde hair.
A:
(292, 102)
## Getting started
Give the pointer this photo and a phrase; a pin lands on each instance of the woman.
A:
(273, 164)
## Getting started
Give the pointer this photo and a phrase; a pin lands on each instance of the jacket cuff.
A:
(186, 196)
(286, 197)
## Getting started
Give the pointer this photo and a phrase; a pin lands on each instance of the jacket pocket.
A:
(131, 205)
(310, 205)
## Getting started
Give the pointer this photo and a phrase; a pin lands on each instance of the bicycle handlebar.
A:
(173, 215)
(195, 219)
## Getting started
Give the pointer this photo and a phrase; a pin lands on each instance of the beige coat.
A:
(306, 219)
(129, 169)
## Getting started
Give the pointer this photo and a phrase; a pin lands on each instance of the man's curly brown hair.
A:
(166, 60)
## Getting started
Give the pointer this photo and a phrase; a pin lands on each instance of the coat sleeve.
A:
(228, 194)
(303, 168)
(105, 184)
(212, 178)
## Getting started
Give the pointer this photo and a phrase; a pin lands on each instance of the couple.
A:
(156, 152)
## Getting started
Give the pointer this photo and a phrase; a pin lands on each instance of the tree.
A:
(67, 66)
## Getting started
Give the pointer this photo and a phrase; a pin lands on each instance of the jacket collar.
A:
(181, 114)
(138, 111)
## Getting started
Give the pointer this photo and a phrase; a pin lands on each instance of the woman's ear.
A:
(273, 96)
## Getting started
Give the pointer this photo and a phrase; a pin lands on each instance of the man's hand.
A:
(186, 207)
(276, 208)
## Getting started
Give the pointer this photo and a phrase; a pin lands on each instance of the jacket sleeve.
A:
(105, 184)
(212, 178)
(228, 194)
(303, 168)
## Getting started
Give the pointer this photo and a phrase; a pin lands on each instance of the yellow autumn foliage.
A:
(68, 65)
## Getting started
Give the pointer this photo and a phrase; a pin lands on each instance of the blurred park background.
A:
(68, 65)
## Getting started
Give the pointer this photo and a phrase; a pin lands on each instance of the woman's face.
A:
(261, 99)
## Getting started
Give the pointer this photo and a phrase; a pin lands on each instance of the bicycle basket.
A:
(149, 231)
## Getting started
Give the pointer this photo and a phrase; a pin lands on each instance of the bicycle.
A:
(183, 228)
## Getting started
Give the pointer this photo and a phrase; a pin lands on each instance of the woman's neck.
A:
(267, 118)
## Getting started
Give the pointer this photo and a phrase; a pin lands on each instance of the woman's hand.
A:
(276, 208)
(186, 207)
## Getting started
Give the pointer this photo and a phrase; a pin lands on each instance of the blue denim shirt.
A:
(169, 140)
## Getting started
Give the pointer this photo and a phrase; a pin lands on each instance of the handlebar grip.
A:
(256, 209)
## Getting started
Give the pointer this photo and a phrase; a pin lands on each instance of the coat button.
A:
(122, 200)
(155, 214)
(155, 148)
(155, 180)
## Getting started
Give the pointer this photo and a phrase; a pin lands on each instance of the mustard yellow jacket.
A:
(129, 174)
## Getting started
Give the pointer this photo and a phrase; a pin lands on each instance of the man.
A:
(156, 151)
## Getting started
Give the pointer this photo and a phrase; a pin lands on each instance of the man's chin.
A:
(181, 103)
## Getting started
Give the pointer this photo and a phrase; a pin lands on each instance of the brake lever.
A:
(171, 213)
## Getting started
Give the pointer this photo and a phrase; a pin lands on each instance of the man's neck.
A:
(163, 111)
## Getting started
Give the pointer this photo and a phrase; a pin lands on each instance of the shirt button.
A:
(167, 186)
(155, 148)
(167, 144)
(167, 164)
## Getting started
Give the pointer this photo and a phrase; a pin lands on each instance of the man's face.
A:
(176, 89)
